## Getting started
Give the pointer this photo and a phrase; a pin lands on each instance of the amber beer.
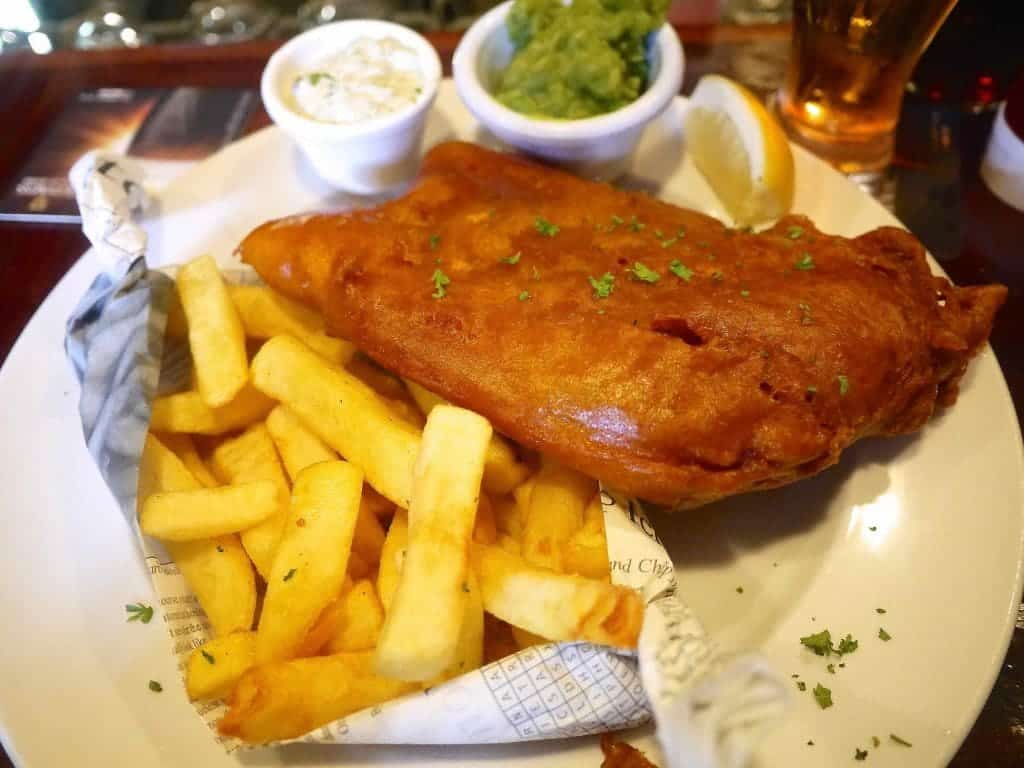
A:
(849, 65)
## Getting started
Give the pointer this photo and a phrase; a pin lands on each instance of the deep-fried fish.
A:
(644, 344)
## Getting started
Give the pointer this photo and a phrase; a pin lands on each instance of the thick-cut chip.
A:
(510, 544)
(361, 619)
(266, 313)
(312, 557)
(287, 699)
(185, 450)
(432, 588)
(186, 412)
(503, 471)
(244, 459)
(506, 516)
(554, 514)
(522, 493)
(469, 650)
(343, 411)
(298, 446)
(215, 667)
(215, 334)
(209, 512)
(369, 536)
(586, 552)
(485, 529)
(556, 605)
(217, 570)
(392, 558)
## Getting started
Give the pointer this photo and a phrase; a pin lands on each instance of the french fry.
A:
(185, 450)
(469, 650)
(186, 412)
(326, 626)
(296, 444)
(206, 513)
(503, 470)
(432, 588)
(485, 529)
(369, 536)
(311, 559)
(215, 333)
(360, 621)
(522, 493)
(510, 544)
(556, 605)
(217, 570)
(554, 514)
(287, 699)
(348, 415)
(214, 667)
(392, 558)
(507, 519)
(244, 459)
(586, 552)
(266, 313)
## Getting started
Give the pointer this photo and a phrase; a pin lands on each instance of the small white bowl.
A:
(364, 158)
(595, 146)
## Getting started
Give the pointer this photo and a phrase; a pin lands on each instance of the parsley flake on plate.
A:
(876, 742)
(210, 658)
(513, 259)
(739, 590)
(680, 270)
(545, 227)
(860, 754)
(820, 642)
(883, 635)
(155, 687)
(643, 273)
(823, 696)
(801, 685)
(805, 263)
(879, 610)
(139, 612)
(831, 668)
(603, 286)
(847, 645)
(902, 742)
(441, 282)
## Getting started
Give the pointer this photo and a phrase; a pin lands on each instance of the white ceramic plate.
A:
(927, 527)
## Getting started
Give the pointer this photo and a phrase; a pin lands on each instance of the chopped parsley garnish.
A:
(287, 576)
(441, 282)
(805, 313)
(669, 243)
(155, 687)
(872, 528)
(524, 296)
(831, 668)
(435, 241)
(680, 270)
(702, 243)
(681, 232)
(643, 273)
(209, 657)
(795, 233)
(847, 645)
(820, 642)
(513, 259)
(603, 286)
(616, 221)
(801, 685)
(659, 234)
(810, 742)
(812, 390)
(739, 590)
(860, 754)
(805, 263)
(717, 276)
(883, 635)
(844, 385)
(823, 696)
(745, 293)
(545, 227)
(898, 740)
(875, 742)
(139, 612)
(534, 273)
(635, 224)
(879, 610)
(316, 77)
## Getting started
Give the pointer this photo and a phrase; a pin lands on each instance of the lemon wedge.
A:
(740, 149)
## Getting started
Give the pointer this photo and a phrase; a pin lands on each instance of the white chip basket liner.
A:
(709, 706)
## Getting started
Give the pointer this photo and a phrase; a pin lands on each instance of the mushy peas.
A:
(579, 60)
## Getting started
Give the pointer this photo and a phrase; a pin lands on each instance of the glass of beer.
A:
(849, 65)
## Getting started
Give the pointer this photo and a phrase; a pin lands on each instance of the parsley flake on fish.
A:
(680, 270)
(545, 227)
(441, 282)
(603, 286)
(644, 274)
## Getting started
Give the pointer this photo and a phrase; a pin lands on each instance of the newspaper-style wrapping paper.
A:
(709, 706)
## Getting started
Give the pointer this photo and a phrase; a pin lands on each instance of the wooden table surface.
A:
(934, 188)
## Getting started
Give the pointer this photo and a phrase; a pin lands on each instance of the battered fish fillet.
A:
(644, 344)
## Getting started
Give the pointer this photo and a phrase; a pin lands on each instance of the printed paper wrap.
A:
(709, 706)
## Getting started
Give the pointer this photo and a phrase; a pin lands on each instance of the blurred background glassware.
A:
(12, 40)
(111, 24)
(231, 21)
(849, 65)
(758, 11)
(317, 12)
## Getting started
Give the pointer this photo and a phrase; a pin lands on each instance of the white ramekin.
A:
(366, 158)
(595, 146)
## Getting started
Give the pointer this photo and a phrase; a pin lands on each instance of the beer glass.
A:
(849, 65)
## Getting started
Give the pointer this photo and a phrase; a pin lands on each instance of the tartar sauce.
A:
(369, 78)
